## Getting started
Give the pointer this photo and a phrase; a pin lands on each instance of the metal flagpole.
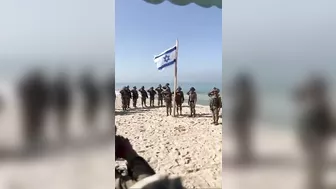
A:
(175, 78)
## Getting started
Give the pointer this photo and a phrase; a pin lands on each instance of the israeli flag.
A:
(165, 59)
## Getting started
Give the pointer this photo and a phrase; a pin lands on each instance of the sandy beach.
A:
(182, 146)
(89, 165)
(280, 162)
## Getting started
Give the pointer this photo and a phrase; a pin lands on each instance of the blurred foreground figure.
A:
(315, 128)
(133, 171)
(242, 115)
(91, 97)
(111, 94)
(61, 102)
(34, 97)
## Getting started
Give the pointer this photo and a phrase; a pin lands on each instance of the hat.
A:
(167, 84)
(134, 87)
(192, 89)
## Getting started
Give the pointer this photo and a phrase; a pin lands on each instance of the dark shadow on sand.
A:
(132, 111)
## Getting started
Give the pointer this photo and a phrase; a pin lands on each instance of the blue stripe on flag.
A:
(166, 65)
(166, 52)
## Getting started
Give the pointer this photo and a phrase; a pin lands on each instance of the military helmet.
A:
(192, 89)
(179, 88)
(160, 85)
(134, 87)
(167, 84)
(142, 87)
(152, 88)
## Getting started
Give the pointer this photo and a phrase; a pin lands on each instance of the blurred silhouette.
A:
(34, 94)
(315, 127)
(111, 96)
(130, 167)
(91, 96)
(61, 102)
(242, 114)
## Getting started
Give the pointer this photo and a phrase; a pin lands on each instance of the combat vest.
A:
(215, 102)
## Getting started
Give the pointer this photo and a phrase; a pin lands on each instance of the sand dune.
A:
(181, 146)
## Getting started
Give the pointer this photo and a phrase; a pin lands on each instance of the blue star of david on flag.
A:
(165, 59)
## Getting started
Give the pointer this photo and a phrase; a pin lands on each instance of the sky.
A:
(144, 30)
(58, 33)
(280, 39)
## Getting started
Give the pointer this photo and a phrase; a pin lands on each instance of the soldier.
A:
(152, 94)
(167, 94)
(135, 96)
(128, 97)
(179, 99)
(192, 101)
(167, 87)
(124, 96)
(211, 93)
(315, 129)
(62, 101)
(144, 96)
(215, 105)
(160, 97)
(34, 94)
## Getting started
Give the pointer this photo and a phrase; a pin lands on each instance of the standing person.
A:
(167, 87)
(124, 98)
(315, 128)
(215, 105)
(167, 94)
(62, 101)
(179, 99)
(144, 96)
(128, 97)
(91, 97)
(152, 94)
(242, 115)
(192, 101)
(160, 96)
(34, 94)
(135, 96)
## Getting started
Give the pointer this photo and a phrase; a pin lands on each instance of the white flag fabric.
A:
(165, 59)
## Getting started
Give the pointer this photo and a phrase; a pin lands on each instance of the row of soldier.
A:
(37, 96)
(165, 94)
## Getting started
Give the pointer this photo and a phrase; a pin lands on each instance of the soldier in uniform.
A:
(167, 87)
(215, 105)
(315, 129)
(152, 94)
(128, 96)
(167, 94)
(144, 96)
(192, 101)
(124, 96)
(160, 97)
(135, 96)
(179, 99)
